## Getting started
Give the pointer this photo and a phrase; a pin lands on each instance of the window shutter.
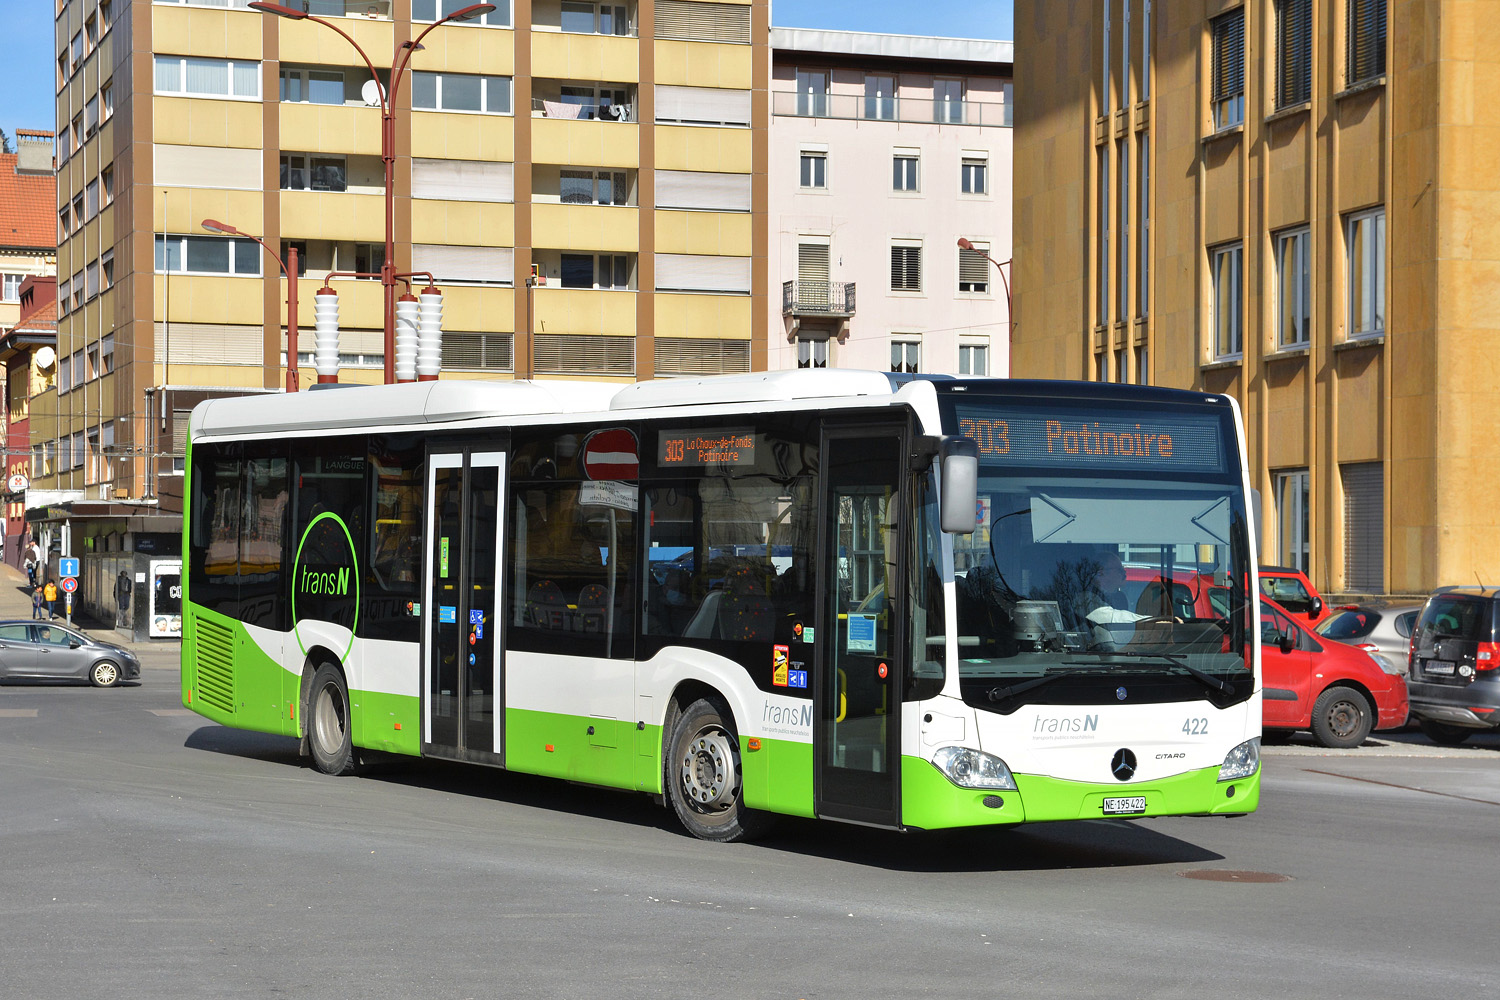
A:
(485, 265)
(685, 272)
(812, 262)
(973, 269)
(702, 105)
(906, 268)
(1294, 52)
(188, 166)
(693, 356)
(210, 344)
(703, 190)
(1364, 40)
(574, 353)
(1229, 54)
(1364, 526)
(693, 21)
(462, 180)
(478, 351)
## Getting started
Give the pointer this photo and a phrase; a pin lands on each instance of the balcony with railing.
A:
(856, 107)
(811, 299)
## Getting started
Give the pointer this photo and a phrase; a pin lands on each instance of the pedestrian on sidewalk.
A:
(33, 561)
(49, 593)
(36, 602)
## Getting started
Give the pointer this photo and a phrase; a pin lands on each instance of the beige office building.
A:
(619, 148)
(1293, 202)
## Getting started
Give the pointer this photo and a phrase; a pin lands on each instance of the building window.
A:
(91, 199)
(812, 93)
(948, 101)
(906, 266)
(1293, 289)
(207, 255)
(904, 171)
(594, 19)
(974, 269)
(589, 187)
(90, 116)
(10, 287)
(1364, 235)
(974, 175)
(1292, 508)
(1226, 301)
(602, 271)
(1293, 52)
(193, 77)
(1364, 41)
(880, 97)
(75, 51)
(77, 287)
(312, 86)
(1229, 68)
(1142, 365)
(1101, 312)
(973, 359)
(106, 270)
(107, 184)
(1143, 230)
(460, 92)
(107, 101)
(812, 353)
(306, 172)
(906, 356)
(91, 280)
(431, 10)
(814, 169)
(1364, 526)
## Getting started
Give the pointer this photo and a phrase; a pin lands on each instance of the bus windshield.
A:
(1098, 574)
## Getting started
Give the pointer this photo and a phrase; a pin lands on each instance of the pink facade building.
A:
(885, 151)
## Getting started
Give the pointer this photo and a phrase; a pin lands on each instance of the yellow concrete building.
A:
(620, 149)
(1291, 202)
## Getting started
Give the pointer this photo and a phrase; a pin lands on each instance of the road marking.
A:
(1404, 788)
(17, 713)
(166, 712)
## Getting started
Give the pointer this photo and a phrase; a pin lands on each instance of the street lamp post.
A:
(289, 266)
(1004, 281)
(399, 62)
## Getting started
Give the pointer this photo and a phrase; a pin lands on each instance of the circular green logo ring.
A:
(297, 564)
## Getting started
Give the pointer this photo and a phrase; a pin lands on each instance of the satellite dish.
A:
(371, 93)
(45, 357)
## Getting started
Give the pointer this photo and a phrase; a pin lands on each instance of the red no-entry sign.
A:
(611, 454)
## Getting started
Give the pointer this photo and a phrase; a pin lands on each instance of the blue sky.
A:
(27, 74)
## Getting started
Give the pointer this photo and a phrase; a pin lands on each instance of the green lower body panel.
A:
(930, 801)
(778, 777)
(388, 722)
(562, 746)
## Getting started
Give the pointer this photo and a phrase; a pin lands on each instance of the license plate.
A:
(1438, 667)
(1128, 806)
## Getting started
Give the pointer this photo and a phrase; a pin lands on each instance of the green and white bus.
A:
(873, 598)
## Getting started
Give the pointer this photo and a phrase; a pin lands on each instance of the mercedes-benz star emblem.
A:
(1123, 764)
(1121, 693)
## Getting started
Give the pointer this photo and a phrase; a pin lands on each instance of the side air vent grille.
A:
(215, 665)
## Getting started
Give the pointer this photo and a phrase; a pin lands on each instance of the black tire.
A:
(1342, 718)
(104, 674)
(328, 731)
(703, 775)
(1443, 734)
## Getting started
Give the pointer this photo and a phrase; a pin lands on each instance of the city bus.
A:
(878, 599)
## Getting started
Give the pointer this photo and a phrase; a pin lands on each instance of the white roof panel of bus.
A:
(757, 387)
(394, 405)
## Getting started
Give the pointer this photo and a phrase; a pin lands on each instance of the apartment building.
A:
(1271, 199)
(885, 151)
(617, 151)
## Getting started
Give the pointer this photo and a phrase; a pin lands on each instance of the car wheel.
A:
(1444, 734)
(104, 674)
(1342, 718)
(703, 776)
(328, 731)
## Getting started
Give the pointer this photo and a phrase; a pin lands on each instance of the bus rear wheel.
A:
(703, 775)
(328, 732)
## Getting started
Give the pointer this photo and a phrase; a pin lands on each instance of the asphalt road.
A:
(146, 852)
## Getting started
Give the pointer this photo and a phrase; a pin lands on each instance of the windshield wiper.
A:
(1206, 679)
(1003, 693)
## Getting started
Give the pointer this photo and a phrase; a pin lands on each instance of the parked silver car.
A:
(1383, 631)
(49, 651)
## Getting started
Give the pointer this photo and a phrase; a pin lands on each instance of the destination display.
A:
(722, 446)
(1074, 437)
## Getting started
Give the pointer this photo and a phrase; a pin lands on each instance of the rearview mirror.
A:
(1317, 607)
(1286, 642)
(960, 496)
(74, 644)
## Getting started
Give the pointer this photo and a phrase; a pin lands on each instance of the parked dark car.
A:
(49, 651)
(1384, 632)
(1454, 674)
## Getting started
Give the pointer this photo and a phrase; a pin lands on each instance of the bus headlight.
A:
(1241, 762)
(968, 768)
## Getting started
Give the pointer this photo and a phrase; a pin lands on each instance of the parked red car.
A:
(1336, 691)
(1291, 589)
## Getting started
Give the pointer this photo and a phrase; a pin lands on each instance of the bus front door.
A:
(461, 663)
(859, 667)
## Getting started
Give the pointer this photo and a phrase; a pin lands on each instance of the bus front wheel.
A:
(703, 775)
(328, 732)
